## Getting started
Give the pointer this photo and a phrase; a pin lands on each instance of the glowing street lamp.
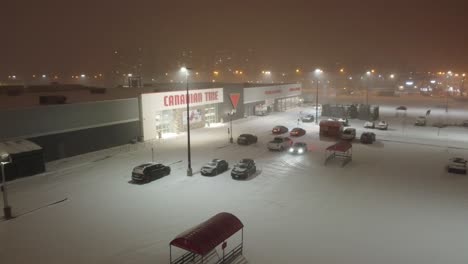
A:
(392, 76)
(186, 70)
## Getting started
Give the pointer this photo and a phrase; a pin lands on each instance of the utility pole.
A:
(316, 102)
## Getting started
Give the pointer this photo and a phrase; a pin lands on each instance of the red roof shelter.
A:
(342, 150)
(202, 239)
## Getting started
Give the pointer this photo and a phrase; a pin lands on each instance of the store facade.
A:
(265, 99)
(165, 113)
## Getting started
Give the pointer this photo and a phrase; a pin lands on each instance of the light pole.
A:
(5, 159)
(367, 86)
(187, 99)
(317, 73)
(231, 140)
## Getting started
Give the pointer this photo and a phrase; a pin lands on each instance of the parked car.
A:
(367, 137)
(243, 169)
(343, 121)
(348, 133)
(457, 165)
(149, 171)
(369, 124)
(465, 123)
(318, 107)
(297, 132)
(280, 143)
(246, 139)
(420, 121)
(383, 125)
(214, 167)
(401, 107)
(298, 148)
(308, 118)
(279, 130)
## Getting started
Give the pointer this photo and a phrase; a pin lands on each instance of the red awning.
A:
(206, 236)
(341, 146)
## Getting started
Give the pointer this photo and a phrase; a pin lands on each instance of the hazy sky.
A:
(71, 35)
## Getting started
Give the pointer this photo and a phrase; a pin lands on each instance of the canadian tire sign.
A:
(234, 99)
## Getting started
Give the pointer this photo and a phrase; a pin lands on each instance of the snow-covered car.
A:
(383, 125)
(149, 171)
(279, 143)
(298, 148)
(401, 107)
(348, 133)
(214, 167)
(420, 121)
(367, 137)
(465, 123)
(243, 169)
(279, 130)
(343, 121)
(318, 107)
(308, 118)
(369, 124)
(297, 132)
(457, 165)
(246, 139)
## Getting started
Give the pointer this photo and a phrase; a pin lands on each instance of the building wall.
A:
(62, 145)
(72, 129)
(54, 119)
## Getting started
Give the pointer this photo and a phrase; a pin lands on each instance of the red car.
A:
(297, 132)
(279, 130)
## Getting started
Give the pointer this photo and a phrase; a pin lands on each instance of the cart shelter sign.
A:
(151, 103)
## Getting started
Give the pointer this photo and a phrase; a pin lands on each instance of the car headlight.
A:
(291, 149)
(301, 151)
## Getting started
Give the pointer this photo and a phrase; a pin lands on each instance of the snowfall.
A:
(394, 203)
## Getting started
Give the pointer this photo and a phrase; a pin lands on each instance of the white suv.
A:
(280, 143)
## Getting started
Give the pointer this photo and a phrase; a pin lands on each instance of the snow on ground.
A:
(394, 203)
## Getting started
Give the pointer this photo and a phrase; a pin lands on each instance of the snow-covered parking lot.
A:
(393, 204)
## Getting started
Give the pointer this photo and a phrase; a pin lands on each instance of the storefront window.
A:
(164, 122)
(211, 113)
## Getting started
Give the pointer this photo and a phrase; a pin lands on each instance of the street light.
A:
(189, 165)
(5, 159)
(317, 73)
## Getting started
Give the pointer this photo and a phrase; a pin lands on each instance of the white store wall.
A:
(255, 94)
(151, 103)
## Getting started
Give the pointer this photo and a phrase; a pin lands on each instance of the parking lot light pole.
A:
(317, 73)
(231, 140)
(4, 160)
(187, 99)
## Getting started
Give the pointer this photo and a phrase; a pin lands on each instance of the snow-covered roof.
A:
(18, 146)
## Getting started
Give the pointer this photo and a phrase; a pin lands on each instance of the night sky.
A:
(71, 35)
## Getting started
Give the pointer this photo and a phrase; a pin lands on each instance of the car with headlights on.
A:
(149, 171)
(298, 148)
(246, 139)
(243, 169)
(297, 132)
(277, 130)
(214, 167)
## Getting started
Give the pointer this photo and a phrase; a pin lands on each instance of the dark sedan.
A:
(279, 130)
(297, 132)
(243, 169)
(367, 138)
(246, 139)
(149, 171)
(214, 167)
